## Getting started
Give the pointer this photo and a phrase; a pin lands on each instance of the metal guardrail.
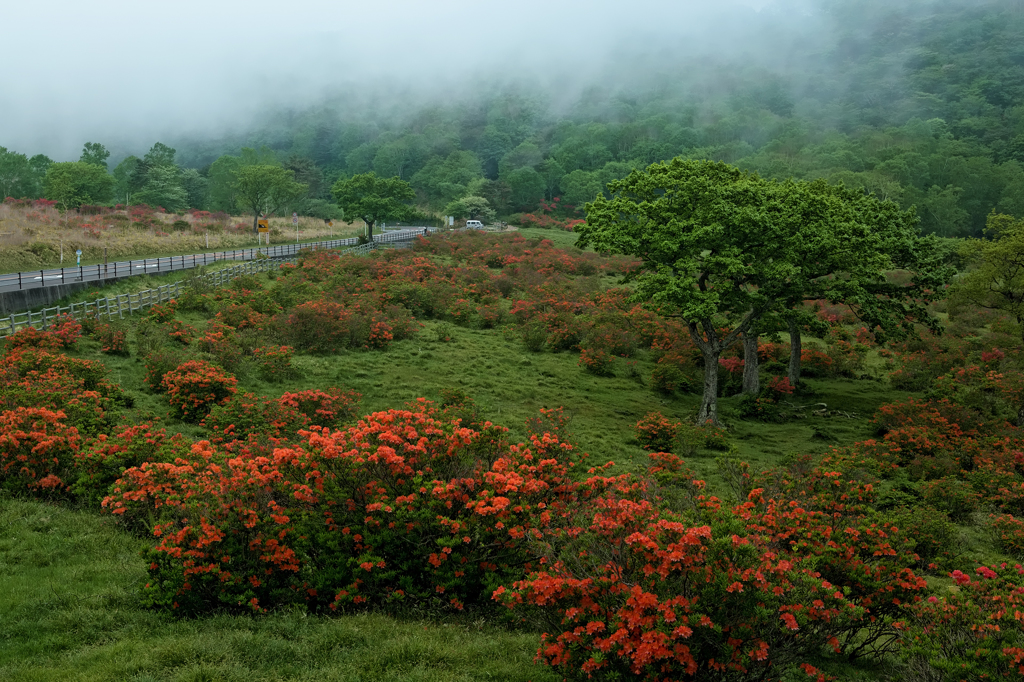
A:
(117, 306)
(35, 279)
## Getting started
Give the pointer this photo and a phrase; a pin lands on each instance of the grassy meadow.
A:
(69, 606)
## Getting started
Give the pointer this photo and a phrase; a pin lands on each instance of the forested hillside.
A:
(917, 101)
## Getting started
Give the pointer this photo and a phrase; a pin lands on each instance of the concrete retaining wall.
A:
(29, 299)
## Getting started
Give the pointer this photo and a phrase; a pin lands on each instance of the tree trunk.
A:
(795, 350)
(751, 380)
(255, 223)
(709, 402)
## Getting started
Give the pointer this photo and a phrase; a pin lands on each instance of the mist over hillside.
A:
(918, 101)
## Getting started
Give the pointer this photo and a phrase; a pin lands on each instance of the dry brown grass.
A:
(31, 237)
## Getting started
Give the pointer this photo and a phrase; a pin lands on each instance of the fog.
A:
(127, 73)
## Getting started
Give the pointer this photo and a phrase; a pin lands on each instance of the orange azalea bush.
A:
(389, 509)
(36, 377)
(248, 415)
(656, 433)
(113, 340)
(36, 447)
(328, 408)
(194, 387)
(103, 460)
(274, 363)
(63, 332)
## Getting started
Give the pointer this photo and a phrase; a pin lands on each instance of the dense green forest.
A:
(921, 102)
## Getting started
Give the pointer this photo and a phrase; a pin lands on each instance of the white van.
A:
(474, 225)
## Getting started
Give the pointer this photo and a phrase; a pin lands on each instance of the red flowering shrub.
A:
(180, 332)
(162, 313)
(329, 408)
(32, 377)
(916, 363)
(113, 339)
(248, 415)
(30, 337)
(67, 329)
(596, 361)
(731, 365)
(104, 460)
(388, 509)
(194, 387)
(814, 363)
(656, 433)
(218, 341)
(158, 364)
(766, 404)
(639, 595)
(847, 359)
(242, 316)
(321, 326)
(780, 386)
(973, 633)
(36, 448)
(1010, 532)
(274, 363)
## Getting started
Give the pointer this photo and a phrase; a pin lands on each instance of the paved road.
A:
(35, 279)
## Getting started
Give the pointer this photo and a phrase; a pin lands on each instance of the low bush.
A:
(274, 363)
(657, 433)
(113, 339)
(104, 459)
(194, 387)
(329, 409)
(36, 449)
(248, 415)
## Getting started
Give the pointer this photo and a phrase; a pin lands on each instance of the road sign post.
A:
(295, 222)
(262, 228)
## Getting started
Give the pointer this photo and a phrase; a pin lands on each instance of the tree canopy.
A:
(722, 248)
(73, 183)
(373, 199)
(995, 278)
(265, 189)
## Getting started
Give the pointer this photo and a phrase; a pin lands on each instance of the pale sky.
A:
(112, 70)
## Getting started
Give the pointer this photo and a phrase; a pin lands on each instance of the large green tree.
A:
(711, 237)
(847, 244)
(728, 251)
(266, 189)
(373, 199)
(73, 183)
(473, 208)
(995, 275)
(129, 179)
(164, 188)
(95, 153)
(15, 174)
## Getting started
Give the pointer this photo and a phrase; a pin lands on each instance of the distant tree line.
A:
(918, 103)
